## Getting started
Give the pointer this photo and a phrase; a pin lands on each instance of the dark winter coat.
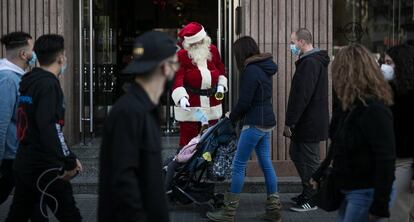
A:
(363, 152)
(307, 113)
(255, 95)
(130, 181)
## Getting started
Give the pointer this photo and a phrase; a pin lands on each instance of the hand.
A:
(287, 132)
(79, 166)
(220, 89)
(314, 184)
(412, 186)
(184, 103)
(70, 174)
(227, 115)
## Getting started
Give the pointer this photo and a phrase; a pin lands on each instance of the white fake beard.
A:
(200, 52)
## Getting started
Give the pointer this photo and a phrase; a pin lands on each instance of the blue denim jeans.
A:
(355, 206)
(253, 138)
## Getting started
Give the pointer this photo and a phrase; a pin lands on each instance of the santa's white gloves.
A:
(220, 89)
(184, 104)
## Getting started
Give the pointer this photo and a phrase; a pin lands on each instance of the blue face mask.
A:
(294, 49)
(33, 60)
(63, 68)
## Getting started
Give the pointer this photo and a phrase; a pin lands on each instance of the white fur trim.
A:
(179, 93)
(212, 113)
(222, 80)
(195, 38)
(205, 82)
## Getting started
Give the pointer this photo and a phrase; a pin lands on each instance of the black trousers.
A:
(306, 157)
(27, 196)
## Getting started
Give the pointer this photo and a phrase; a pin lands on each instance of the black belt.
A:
(202, 92)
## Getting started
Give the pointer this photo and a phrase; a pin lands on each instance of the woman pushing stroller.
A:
(254, 105)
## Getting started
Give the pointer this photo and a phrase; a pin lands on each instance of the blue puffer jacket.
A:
(255, 95)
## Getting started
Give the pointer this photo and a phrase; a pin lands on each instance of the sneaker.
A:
(298, 199)
(307, 206)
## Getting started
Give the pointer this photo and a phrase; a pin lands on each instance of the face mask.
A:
(33, 60)
(294, 49)
(387, 71)
(63, 68)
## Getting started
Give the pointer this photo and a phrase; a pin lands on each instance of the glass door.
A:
(97, 61)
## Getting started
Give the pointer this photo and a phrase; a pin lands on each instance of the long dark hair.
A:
(403, 57)
(244, 48)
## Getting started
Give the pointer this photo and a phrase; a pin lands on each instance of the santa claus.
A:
(200, 83)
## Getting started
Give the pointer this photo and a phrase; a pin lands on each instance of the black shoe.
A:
(304, 207)
(298, 199)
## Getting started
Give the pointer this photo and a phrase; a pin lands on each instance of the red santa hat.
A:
(192, 33)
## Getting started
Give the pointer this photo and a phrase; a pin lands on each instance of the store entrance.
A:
(107, 31)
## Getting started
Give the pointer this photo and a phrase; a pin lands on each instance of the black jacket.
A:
(403, 110)
(363, 152)
(307, 112)
(130, 181)
(255, 95)
(41, 115)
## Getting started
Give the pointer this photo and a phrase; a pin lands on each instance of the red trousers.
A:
(189, 130)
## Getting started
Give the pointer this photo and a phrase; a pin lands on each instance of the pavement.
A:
(251, 205)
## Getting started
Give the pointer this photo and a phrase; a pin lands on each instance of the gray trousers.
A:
(306, 157)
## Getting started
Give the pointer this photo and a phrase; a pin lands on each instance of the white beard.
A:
(199, 53)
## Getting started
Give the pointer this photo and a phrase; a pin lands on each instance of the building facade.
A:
(102, 31)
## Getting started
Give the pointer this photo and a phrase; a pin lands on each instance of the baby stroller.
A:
(193, 181)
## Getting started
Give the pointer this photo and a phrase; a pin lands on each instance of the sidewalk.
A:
(251, 205)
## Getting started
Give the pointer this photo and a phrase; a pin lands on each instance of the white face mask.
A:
(387, 71)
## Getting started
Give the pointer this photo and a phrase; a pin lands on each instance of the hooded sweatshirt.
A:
(308, 112)
(10, 75)
(40, 120)
(255, 95)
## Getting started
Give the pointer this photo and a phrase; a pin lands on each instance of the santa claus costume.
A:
(200, 76)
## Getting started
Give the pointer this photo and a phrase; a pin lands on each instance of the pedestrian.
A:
(19, 56)
(255, 106)
(44, 164)
(200, 82)
(307, 114)
(131, 187)
(400, 60)
(362, 137)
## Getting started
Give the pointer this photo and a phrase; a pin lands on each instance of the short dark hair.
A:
(304, 34)
(244, 48)
(15, 40)
(48, 47)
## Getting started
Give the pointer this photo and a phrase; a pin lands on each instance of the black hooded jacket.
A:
(308, 112)
(255, 99)
(41, 115)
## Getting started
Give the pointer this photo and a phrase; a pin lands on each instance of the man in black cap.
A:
(130, 180)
